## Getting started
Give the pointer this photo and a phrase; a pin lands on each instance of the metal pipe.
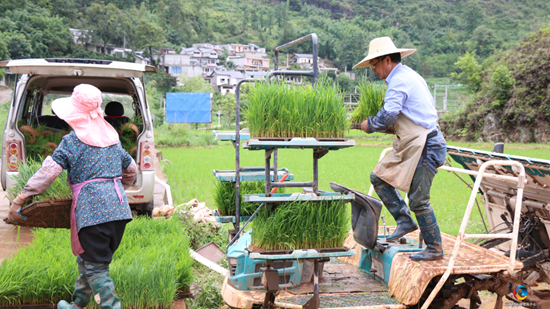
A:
(254, 168)
(291, 184)
(244, 226)
(535, 204)
(275, 165)
(315, 174)
(520, 180)
(237, 223)
(267, 173)
(489, 236)
(498, 194)
(314, 51)
(475, 173)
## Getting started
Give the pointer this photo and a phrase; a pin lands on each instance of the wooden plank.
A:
(409, 279)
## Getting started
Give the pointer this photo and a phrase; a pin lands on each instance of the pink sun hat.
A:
(82, 111)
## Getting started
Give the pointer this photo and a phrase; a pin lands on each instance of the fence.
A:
(449, 98)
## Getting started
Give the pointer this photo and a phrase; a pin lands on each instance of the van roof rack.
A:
(78, 60)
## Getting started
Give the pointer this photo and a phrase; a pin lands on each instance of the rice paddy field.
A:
(190, 172)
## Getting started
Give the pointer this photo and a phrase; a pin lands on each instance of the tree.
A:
(484, 41)
(19, 47)
(345, 83)
(472, 15)
(471, 72)
(149, 35)
(105, 21)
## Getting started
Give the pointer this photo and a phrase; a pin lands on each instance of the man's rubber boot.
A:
(104, 291)
(82, 290)
(432, 238)
(396, 206)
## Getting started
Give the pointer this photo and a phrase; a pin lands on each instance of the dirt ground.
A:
(5, 94)
(11, 238)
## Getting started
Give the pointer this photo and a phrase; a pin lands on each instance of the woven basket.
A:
(49, 214)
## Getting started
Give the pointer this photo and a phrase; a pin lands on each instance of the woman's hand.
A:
(14, 215)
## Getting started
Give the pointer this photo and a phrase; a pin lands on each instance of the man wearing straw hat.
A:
(418, 151)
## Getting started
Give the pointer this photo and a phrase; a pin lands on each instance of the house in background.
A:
(225, 81)
(304, 60)
(207, 57)
(217, 47)
(180, 65)
(249, 63)
(81, 36)
(141, 60)
(243, 49)
(121, 52)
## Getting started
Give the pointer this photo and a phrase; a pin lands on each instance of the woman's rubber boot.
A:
(396, 206)
(82, 290)
(104, 291)
(432, 238)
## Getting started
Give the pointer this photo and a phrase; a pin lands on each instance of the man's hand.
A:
(355, 126)
(365, 126)
(14, 217)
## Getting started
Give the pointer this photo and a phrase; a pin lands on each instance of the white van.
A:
(42, 80)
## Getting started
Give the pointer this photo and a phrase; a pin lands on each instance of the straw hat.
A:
(82, 111)
(381, 47)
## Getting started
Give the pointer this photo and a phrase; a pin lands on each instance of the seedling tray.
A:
(257, 175)
(268, 143)
(292, 197)
(228, 219)
(48, 214)
(230, 135)
(299, 253)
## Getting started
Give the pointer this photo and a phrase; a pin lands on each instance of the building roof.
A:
(254, 45)
(304, 55)
(234, 74)
(141, 57)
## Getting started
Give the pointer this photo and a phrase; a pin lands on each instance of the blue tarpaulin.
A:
(188, 107)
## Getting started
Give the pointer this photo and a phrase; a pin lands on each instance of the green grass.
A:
(182, 135)
(190, 173)
(151, 265)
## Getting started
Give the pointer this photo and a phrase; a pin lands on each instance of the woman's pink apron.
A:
(75, 241)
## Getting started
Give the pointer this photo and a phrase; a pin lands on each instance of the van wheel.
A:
(146, 209)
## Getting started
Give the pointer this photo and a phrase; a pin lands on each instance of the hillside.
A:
(511, 101)
(442, 30)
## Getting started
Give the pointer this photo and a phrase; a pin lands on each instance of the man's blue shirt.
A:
(409, 94)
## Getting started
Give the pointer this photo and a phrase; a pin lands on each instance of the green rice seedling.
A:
(45, 141)
(149, 268)
(371, 101)
(58, 190)
(279, 110)
(301, 225)
(224, 196)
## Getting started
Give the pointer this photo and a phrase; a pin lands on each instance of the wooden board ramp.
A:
(409, 279)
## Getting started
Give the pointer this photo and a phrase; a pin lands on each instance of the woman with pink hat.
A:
(98, 171)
